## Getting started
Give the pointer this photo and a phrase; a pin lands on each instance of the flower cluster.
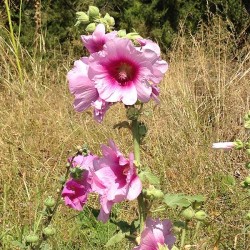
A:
(117, 70)
(112, 176)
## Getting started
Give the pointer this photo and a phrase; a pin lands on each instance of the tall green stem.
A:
(14, 45)
(136, 141)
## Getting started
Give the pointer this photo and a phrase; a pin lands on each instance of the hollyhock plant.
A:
(124, 73)
(94, 43)
(75, 191)
(223, 145)
(156, 235)
(114, 179)
(84, 90)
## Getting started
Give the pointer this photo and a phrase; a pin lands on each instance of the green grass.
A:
(204, 96)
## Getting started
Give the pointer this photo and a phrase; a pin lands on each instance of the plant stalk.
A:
(140, 199)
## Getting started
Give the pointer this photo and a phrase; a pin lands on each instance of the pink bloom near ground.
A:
(114, 179)
(75, 192)
(156, 233)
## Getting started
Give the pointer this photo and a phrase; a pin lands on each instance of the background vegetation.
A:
(204, 96)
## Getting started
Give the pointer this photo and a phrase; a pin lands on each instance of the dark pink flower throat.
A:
(123, 71)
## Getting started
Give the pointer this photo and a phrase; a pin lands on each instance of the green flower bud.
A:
(109, 19)
(90, 28)
(200, 215)
(239, 144)
(247, 119)
(248, 151)
(121, 33)
(176, 229)
(247, 216)
(153, 193)
(133, 36)
(188, 213)
(142, 129)
(247, 124)
(76, 173)
(62, 180)
(48, 231)
(50, 202)
(82, 17)
(32, 238)
(247, 180)
(247, 165)
(243, 184)
(132, 113)
(93, 12)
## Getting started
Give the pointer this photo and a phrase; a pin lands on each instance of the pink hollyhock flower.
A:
(84, 90)
(114, 179)
(223, 145)
(156, 235)
(123, 73)
(94, 43)
(75, 191)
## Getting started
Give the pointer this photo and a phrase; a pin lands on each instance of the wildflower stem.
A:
(140, 199)
(183, 235)
(196, 230)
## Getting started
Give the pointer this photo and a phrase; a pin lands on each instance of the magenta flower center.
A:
(123, 71)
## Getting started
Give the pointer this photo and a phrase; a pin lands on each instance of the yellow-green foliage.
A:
(204, 96)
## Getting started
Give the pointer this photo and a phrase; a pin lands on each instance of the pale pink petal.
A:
(223, 145)
(134, 188)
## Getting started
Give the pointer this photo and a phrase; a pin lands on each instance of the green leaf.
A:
(174, 200)
(229, 180)
(195, 198)
(148, 176)
(115, 239)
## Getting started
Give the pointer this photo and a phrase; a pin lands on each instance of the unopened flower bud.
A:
(239, 144)
(76, 173)
(247, 216)
(153, 193)
(243, 184)
(200, 215)
(248, 151)
(247, 120)
(247, 180)
(48, 231)
(188, 213)
(121, 33)
(82, 17)
(50, 202)
(247, 165)
(247, 124)
(142, 129)
(132, 113)
(32, 238)
(90, 28)
(133, 36)
(109, 19)
(93, 12)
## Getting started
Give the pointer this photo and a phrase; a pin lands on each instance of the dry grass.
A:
(203, 99)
